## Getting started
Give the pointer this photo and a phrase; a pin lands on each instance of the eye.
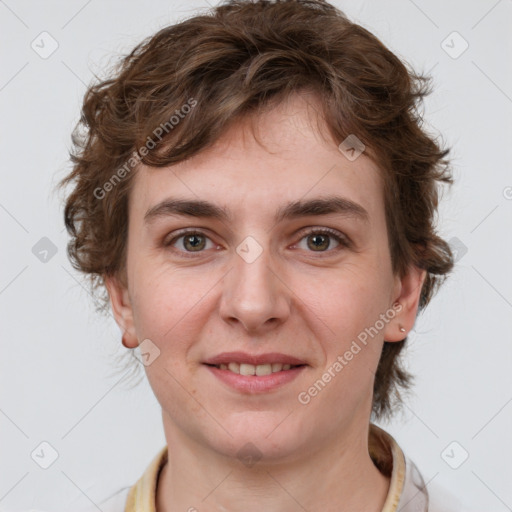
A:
(317, 240)
(190, 241)
(320, 240)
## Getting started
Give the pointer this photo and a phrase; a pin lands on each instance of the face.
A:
(272, 253)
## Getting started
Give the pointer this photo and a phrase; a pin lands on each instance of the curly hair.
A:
(176, 93)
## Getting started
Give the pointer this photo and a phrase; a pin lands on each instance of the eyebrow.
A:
(293, 210)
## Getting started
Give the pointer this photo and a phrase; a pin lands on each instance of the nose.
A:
(255, 295)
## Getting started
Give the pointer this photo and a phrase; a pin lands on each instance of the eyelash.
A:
(341, 239)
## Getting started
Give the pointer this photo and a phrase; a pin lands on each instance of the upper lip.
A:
(254, 359)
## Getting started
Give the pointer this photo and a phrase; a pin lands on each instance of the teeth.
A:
(233, 367)
(247, 369)
(251, 369)
(264, 369)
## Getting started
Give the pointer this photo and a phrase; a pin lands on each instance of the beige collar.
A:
(384, 451)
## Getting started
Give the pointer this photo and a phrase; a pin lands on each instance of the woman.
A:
(255, 192)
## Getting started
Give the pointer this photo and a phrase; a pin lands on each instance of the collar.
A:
(407, 491)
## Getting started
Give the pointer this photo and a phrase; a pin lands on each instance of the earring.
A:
(401, 328)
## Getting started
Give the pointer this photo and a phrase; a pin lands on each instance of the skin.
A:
(294, 298)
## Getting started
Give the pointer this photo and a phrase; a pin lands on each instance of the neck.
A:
(337, 477)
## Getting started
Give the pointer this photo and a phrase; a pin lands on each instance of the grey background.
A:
(56, 361)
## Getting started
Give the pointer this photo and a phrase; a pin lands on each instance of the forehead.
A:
(279, 156)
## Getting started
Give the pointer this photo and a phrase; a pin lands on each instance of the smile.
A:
(251, 382)
(257, 370)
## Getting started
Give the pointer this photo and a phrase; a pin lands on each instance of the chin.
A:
(259, 435)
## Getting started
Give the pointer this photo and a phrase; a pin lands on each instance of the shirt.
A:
(407, 490)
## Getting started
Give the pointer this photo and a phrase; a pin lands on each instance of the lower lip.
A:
(255, 383)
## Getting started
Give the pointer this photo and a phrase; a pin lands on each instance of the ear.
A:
(407, 293)
(122, 309)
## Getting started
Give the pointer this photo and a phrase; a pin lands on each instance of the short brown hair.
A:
(231, 62)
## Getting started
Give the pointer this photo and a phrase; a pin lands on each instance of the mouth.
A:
(255, 373)
(259, 370)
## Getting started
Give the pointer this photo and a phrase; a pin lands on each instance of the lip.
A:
(255, 359)
(253, 384)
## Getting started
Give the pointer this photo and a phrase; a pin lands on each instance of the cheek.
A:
(350, 299)
(349, 316)
(351, 342)
(168, 303)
